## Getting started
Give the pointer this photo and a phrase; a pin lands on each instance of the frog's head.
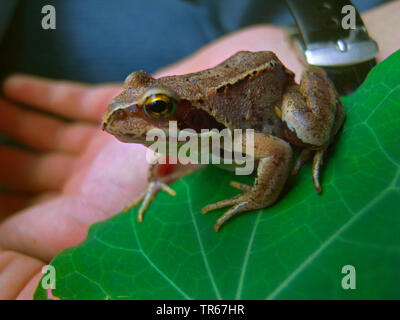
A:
(147, 103)
(142, 106)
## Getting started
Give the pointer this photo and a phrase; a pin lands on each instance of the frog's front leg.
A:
(312, 114)
(274, 157)
(156, 181)
(160, 175)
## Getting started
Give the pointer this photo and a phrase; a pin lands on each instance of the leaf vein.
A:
(323, 246)
(247, 257)
(203, 254)
(154, 266)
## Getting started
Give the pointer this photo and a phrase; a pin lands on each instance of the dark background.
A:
(102, 40)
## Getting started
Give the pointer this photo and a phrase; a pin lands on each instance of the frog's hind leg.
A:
(318, 158)
(312, 114)
(274, 157)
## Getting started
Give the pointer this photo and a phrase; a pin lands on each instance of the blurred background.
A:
(101, 41)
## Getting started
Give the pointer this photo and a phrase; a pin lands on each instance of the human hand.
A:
(72, 176)
(80, 175)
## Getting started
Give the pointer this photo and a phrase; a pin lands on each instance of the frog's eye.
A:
(159, 106)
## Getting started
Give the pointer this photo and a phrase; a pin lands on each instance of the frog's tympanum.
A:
(250, 90)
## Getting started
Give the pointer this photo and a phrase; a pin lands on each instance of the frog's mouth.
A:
(189, 121)
(178, 137)
(131, 138)
(149, 139)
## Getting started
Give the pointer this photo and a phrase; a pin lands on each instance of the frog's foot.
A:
(274, 158)
(241, 203)
(147, 196)
(317, 163)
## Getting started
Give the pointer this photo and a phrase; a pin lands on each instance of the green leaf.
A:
(293, 250)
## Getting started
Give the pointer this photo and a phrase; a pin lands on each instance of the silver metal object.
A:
(343, 52)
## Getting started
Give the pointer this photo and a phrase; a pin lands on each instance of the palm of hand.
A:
(77, 175)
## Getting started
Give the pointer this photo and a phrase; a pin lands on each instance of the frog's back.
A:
(241, 92)
(230, 71)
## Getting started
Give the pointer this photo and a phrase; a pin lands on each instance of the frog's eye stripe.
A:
(159, 106)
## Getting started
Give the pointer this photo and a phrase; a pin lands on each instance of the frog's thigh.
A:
(274, 157)
(309, 109)
(313, 113)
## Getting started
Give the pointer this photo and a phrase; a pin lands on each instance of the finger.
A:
(29, 290)
(68, 99)
(43, 132)
(44, 230)
(24, 171)
(16, 272)
(73, 138)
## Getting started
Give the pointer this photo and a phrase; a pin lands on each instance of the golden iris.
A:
(159, 106)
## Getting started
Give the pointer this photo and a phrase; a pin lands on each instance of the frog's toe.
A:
(239, 203)
(304, 156)
(232, 201)
(221, 204)
(243, 206)
(240, 207)
(317, 163)
(241, 186)
(147, 196)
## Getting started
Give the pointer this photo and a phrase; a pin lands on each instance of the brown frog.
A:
(249, 90)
